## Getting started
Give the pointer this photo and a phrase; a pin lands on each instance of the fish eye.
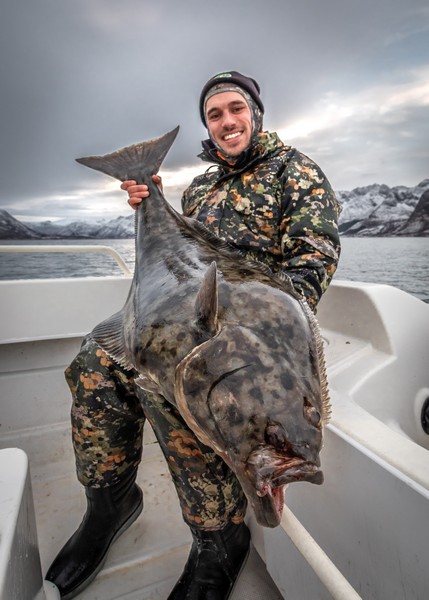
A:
(311, 413)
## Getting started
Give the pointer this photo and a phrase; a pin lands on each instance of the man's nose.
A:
(228, 119)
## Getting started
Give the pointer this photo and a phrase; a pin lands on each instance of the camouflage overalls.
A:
(278, 208)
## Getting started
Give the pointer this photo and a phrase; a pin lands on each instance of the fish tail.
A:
(137, 162)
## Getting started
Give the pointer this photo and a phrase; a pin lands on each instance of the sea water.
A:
(401, 262)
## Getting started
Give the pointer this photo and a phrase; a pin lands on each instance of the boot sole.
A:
(100, 565)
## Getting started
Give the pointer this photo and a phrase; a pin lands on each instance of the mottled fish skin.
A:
(227, 341)
(252, 392)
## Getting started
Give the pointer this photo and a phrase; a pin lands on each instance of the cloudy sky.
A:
(345, 81)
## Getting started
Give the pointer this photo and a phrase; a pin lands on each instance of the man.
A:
(276, 206)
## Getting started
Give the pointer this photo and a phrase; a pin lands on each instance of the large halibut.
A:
(230, 343)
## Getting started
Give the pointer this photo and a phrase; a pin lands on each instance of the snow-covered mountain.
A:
(12, 229)
(418, 223)
(378, 210)
(372, 210)
(118, 228)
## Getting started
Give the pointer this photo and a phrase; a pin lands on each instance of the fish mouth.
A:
(268, 505)
(297, 469)
(269, 481)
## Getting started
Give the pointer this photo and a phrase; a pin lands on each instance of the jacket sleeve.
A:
(310, 241)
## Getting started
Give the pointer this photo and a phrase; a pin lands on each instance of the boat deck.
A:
(148, 558)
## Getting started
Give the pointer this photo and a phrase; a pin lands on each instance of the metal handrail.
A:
(324, 568)
(72, 249)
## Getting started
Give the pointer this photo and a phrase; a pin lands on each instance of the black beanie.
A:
(234, 77)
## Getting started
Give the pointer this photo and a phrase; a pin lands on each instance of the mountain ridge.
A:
(367, 211)
(380, 210)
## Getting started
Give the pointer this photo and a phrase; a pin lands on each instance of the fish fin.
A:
(206, 303)
(320, 351)
(137, 162)
(109, 336)
(201, 232)
(226, 250)
(147, 384)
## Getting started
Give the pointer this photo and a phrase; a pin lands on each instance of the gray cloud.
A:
(83, 77)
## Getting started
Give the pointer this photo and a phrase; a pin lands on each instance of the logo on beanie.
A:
(222, 75)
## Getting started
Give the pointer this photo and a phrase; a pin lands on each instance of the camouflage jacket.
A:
(277, 207)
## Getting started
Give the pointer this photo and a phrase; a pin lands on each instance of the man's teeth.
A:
(231, 136)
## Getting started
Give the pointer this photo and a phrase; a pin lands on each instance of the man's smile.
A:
(232, 136)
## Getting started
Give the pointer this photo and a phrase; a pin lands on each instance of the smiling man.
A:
(276, 206)
(230, 122)
(231, 109)
(266, 198)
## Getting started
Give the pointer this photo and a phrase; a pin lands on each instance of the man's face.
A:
(229, 122)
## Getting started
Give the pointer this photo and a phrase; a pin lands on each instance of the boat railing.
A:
(329, 575)
(15, 249)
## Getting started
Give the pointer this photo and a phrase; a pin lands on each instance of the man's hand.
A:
(137, 193)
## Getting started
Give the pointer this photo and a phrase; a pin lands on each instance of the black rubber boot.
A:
(214, 564)
(110, 511)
